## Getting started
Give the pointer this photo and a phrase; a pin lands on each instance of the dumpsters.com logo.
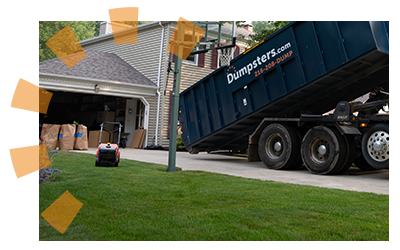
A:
(260, 62)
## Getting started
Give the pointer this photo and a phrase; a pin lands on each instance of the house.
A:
(128, 83)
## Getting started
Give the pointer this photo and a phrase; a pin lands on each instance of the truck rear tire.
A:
(324, 150)
(278, 147)
(362, 164)
(375, 146)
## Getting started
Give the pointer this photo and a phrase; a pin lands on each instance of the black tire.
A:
(351, 153)
(362, 164)
(97, 162)
(278, 147)
(375, 146)
(324, 150)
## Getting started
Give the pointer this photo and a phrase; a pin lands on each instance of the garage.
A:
(92, 110)
(101, 87)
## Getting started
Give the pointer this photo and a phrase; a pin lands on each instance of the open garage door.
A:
(91, 110)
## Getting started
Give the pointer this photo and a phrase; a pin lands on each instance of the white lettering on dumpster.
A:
(233, 74)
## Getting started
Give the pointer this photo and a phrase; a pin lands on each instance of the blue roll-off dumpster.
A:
(304, 67)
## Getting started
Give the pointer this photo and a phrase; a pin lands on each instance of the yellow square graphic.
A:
(62, 212)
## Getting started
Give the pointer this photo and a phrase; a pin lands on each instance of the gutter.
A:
(110, 35)
(125, 84)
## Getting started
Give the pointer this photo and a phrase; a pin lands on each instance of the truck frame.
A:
(272, 101)
(329, 144)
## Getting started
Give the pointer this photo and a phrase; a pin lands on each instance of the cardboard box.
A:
(138, 138)
(105, 116)
(93, 141)
(94, 138)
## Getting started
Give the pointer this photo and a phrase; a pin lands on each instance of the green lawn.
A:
(140, 201)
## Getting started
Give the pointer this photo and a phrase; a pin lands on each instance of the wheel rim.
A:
(378, 146)
(274, 146)
(319, 150)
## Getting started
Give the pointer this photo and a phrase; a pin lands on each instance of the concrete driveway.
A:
(354, 179)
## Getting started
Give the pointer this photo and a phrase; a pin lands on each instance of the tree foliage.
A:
(82, 30)
(264, 29)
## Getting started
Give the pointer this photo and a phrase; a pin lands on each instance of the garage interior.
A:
(91, 110)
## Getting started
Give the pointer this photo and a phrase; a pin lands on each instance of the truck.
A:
(289, 100)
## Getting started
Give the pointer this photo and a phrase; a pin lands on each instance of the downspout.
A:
(158, 83)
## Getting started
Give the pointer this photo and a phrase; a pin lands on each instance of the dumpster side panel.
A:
(310, 54)
(329, 40)
(351, 33)
(291, 74)
(191, 113)
(226, 101)
(255, 88)
(212, 102)
(381, 41)
(274, 83)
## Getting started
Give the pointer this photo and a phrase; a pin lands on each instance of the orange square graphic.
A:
(185, 38)
(124, 22)
(25, 160)
(44, 160)
(44, 100)
(124, 14)
(25, 97)
(124, 33)
(62, 211)
(66, 46)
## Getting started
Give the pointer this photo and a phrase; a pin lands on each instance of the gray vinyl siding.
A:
(144, 56)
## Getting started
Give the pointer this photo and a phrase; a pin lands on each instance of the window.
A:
(197, 60)
(192, 59)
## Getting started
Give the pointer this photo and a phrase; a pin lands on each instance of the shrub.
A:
(48, 174)
(179, 144)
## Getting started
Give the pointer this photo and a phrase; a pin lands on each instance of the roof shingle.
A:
(97, 65)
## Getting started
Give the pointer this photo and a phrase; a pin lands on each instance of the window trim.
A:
(195, 62)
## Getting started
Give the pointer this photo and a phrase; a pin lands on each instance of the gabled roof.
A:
(97, 65)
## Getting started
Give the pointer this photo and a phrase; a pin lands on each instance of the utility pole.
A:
(174, 115)
(175, 100)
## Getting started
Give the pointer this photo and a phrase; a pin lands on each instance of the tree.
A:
(270, 27)
(260, 25)
(82, 29)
